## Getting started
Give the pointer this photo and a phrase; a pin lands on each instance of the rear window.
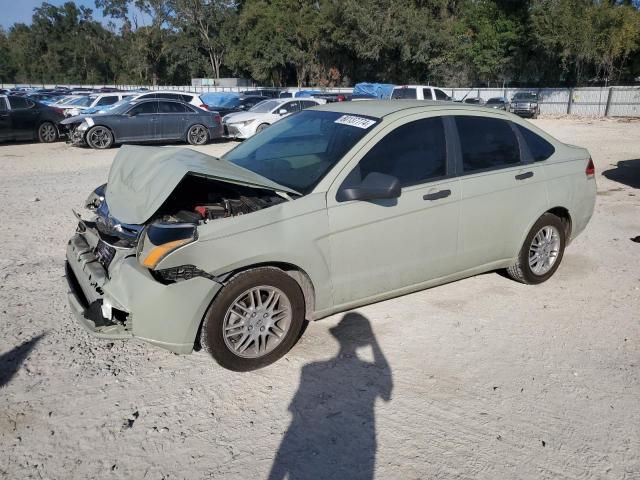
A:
(540, 149)
(440, 95)
(405, 93)
(486, 143)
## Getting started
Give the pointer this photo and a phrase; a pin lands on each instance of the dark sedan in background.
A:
(499, 103)
(26, 119)
(233, 104)
(149, 120)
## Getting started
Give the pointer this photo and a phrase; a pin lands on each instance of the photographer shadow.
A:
(333, 432)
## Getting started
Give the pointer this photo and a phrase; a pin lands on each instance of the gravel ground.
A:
(481, 378)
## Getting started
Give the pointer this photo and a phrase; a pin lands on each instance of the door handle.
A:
(437, 195)
(524, 176)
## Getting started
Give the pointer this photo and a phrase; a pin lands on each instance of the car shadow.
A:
(332, 433)
(626, 172)
(11, 361)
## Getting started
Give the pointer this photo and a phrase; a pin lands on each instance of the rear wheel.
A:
(99, 137)
(542, 251)
(255, 319)
(47, 132)
(261, 127)
(198, 135)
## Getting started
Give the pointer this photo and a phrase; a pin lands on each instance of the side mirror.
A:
(282, 111)
(242, 107)
(375, 186)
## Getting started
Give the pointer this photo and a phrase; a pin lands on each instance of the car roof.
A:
(383, 108)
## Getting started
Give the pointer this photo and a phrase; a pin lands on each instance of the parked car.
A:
(525, 104)
(473, 101)
(499, 103)
(332, 208)
(77, 106)
(246, 124)
(146, 120)
(227, 104)
(189, 97)
(263, 92)
(332, 97)
(418, 92)
(25, 119)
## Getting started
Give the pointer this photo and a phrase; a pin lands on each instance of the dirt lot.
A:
(482, 378)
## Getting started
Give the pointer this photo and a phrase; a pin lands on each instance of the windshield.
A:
(265, 107)
(525, 96)
(299, 150)
(83, 101)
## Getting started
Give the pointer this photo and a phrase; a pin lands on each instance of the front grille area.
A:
(104, 253)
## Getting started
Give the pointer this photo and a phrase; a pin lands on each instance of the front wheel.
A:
(255, 319)
(99, 138)
(261, 127)
(198, 135)
(47, 132)
(542, 251)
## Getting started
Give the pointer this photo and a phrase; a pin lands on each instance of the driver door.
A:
(140, 122)
(381, 246)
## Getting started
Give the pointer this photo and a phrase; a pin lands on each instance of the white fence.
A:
(586, 102)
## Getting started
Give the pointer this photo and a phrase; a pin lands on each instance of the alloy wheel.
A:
(48, 132)
(197, 135)
(544, 250)
(99, 137)
(257, 321)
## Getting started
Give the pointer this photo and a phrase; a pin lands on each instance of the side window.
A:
(486, 143)
(540, 149)
(289, 107)
(440, 95)
(185, 98)
(171, 107)
(3, 105)
(146, 107)
(426, 94)
(404, 93)
(413, 153)
(18, 103)
(307, 104)
(107, 101)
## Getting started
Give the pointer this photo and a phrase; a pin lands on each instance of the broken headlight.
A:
(178, 274)
(160, 239)
(95, 198)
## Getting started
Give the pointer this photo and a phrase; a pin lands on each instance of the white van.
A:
(418, 92)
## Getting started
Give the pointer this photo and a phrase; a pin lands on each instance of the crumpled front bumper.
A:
(126, 301)
(237, 131)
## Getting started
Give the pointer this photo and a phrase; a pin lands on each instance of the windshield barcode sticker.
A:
(354, 121)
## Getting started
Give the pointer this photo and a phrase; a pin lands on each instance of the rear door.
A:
(172, 120)
(503, 191)
(24, 117)
(5, 120)
(139, 123)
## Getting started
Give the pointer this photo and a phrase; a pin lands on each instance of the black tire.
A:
(99, 137)
(522, 271)
(47, 132)
(261, 127)
(198, 135)
(212, 338)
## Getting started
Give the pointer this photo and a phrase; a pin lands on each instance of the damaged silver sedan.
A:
(332, 208)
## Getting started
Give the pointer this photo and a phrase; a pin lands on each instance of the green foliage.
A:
(328, 42)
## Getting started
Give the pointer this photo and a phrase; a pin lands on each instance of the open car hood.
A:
(141, 178)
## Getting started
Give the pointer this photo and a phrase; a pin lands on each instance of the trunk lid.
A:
(141, 178)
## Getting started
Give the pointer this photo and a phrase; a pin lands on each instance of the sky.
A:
(12, 11)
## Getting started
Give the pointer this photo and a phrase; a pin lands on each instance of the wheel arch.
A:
(562, 213)
(113, 132)
(298, 274)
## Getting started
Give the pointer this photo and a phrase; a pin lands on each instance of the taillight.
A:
(591, 169)
(205, 106)
(59, 111)
(341, 98)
